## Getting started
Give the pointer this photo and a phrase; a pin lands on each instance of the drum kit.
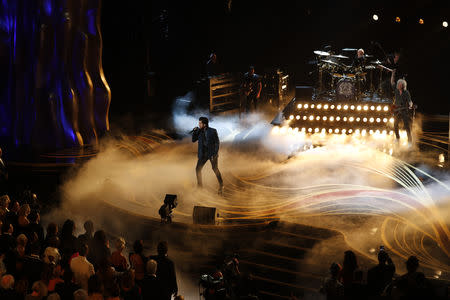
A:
(338, 78)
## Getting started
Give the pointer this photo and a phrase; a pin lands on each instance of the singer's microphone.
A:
(193, 130)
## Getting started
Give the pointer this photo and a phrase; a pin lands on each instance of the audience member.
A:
(138, 260)
(332, 287)
(95, 288)
(53, 296)
(79, 294)
(7, 287)
(33, 265)
(350, 265)
(7, 240)
(68, 287)
(151, 288)
(38, 291)
(413, 285)
(380, 276)
(51, 239)
(130, 291)
(82, 268)
(118, 260)
(100, 251)
(165, 272)
(22, 220)
(35, 225)
(68, 241)
(88, 235)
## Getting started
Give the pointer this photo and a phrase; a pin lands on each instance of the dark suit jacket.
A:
(208, 145)
(165, 272)
(151, 288)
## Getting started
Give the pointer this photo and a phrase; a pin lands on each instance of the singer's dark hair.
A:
(204, 120)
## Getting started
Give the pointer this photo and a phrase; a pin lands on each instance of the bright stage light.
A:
(391, 120)
(358, 107)
(324, 118)
(305, 117)
(305, 106)
(325, 106)
(377, 131)
(351, 119)
(338, 107)
(363, 132)
(323, 130)
(386, 108)
(385, 120)
(312, 105)
(378, 120)
(445, 24)
(345, 119)
(372, 107)
(331, 119)
(371, 120)
(330, 130)
(421, 21)
(319, 106)
(332, 106)
(316, 130)
(358, 119)
(344, 131)
(309, 129)
(296, 129)
(299, 106)
(291, 117)
(397, 19)
(318, 118)
(366, 107)
(365, 120)
(345, 107)
(311, 117)
(357, 131)
(275, 129)
(338, 118)
(375, 17)
(371, 131)
(352, 107)
(384, 132)
(350, 130)
(336, 130)
(303, 129)
(378, 107)
(297, 117)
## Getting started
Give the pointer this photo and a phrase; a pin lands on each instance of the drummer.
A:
(359, 60)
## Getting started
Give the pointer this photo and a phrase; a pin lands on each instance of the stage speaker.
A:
(204, 215)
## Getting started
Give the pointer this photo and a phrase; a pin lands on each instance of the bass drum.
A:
(346, 89)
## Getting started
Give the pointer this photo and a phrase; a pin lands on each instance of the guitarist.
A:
(402, 104)
(252, 89)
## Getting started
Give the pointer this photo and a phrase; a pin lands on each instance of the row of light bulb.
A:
(345, 119)
(344, 107)
(362, 132)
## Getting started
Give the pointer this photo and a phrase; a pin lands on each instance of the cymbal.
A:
(368, 55)
(330, 62)
(349, 49)
(369, 67)
(376, 62)
(339, 56)
(321, 53)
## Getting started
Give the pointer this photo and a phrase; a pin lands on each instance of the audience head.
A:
(24, 210)
(162, 248)
(120, 244)
(84, 250)
(138, 246)
(335, 268)
(95, 285)
(7, 228)
(4, 201)
(53, 296)
(52, 229)
(412, 264)
(34, 217)
(67, 229)
(7, 282)
(89, 226)
(80, 295)
(22, 240)
(40, 288)
(151, 267)
(350, 262)
(100, 237)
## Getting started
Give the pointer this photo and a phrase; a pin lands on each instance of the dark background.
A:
(173, 39)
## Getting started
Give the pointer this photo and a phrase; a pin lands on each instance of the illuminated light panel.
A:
(358, 119)
(323, 130)
(344, 131)
(276, 129)
(324, 118)
(365, 120)
(391, 132)
(306, 105)
(299, 106)
(445, 24)
(378, 120)
(330, 130)
(385, 120)
(297, 117)
(305, 117)
(357, 131)
(332, 106)
(338, 118)
(338, 107)
(303, 129)
(331, 119)
(316, 130)
(397, 19)
(309, 129)
(363, 132)
(384, 132)
(351, 119)
(312, 105)
(378, 107)
(358, 107)
(325, 106)
(372, 107)
(421, 21)
(371, 120)
(319, 106)
(311, 117)
(291, 117)
(352, 107)
(391, 120)
(371, 131)
(386, 108)
(375, 17)
(377, 131)
(296, 129)
(345, 119)
(350, 130)
(336, 130)
(345, 107)
(318, 118)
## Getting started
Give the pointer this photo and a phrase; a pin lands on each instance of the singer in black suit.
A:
(208, 149)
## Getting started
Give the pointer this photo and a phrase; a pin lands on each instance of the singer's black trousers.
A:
(214, 164)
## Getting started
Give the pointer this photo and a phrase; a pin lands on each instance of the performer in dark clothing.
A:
(252, 89)
(165, 272)
(359, 60)
(380, 276)
(402, 104)
(208, 149)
